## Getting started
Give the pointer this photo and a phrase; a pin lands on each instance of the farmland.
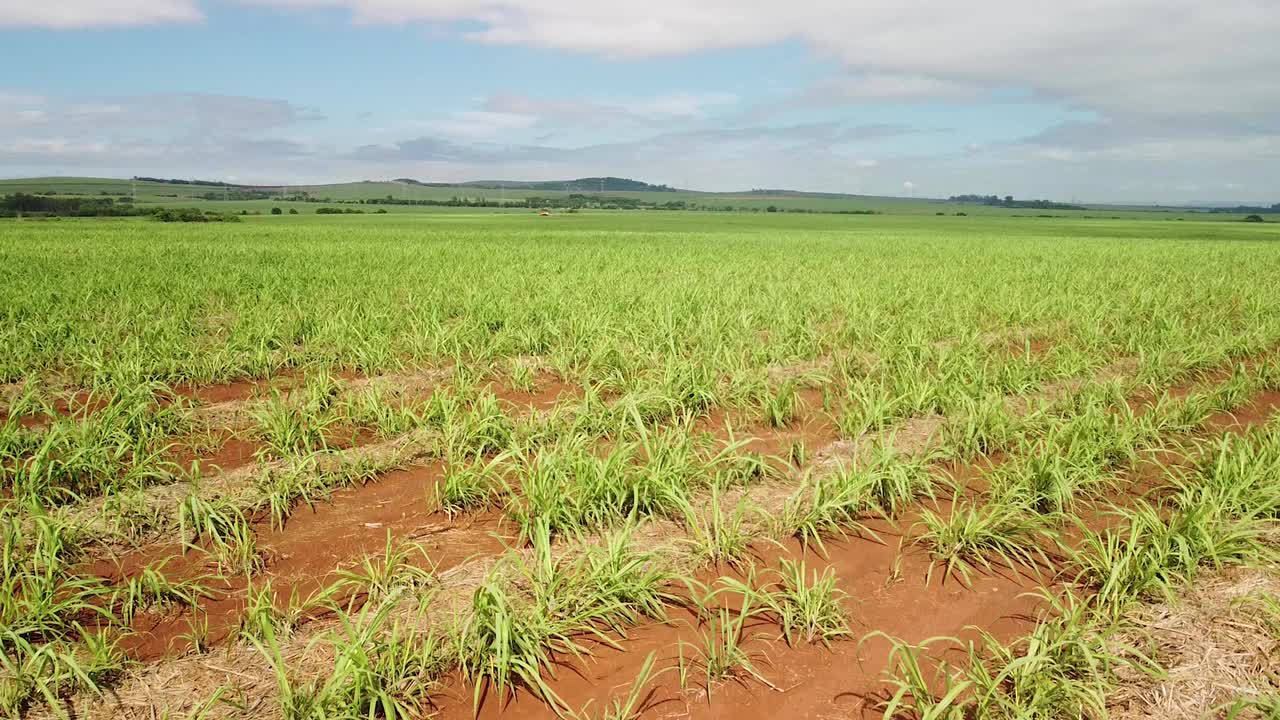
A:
(617, 465)
(399, 197)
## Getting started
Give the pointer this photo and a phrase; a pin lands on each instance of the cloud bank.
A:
(1176, 96)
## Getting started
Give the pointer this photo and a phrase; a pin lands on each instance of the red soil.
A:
(303, 558)
(813, 681)
(547, 392)
(809, 680)
(231, 451)
(232, 391)
(1255, 412)
(812, 428)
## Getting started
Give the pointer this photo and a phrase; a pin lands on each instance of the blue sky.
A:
(1089, 100)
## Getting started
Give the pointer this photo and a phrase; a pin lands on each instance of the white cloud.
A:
(1182, 94)
(72, 14)
(482, 124)
(11, 100)
(169, 112)
(736, 159)
(677, 105)
(601, 112)
(1171, 55)
(21, 111)
(889, 86)
(144, 133)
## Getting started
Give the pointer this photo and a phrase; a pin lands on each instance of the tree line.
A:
(1256, 210)
(25, 204)
(1009, 202)
(28, 204)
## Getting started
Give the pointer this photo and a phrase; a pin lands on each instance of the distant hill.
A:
(419, 183)
(588, 184)
(405, 194)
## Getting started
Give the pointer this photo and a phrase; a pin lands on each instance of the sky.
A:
(1168, 101)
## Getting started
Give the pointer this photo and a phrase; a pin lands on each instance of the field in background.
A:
(155, 194)
(658, 464)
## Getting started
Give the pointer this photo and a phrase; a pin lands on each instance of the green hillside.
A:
(405, 195)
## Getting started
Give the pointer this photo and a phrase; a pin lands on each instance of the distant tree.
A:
(771, 208)
(276, 211)
(293, 211)
(1254, 218)
(188, 215)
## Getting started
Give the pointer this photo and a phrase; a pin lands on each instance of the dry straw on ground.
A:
(1217, 644)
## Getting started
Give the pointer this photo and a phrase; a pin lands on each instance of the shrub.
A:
(1254, 218)
(276, 211)
(190, 215)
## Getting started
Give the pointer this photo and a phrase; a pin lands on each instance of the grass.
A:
(119, 446)
(779, 406)
(286, 429)
(379, 670)
(472, 487)
(46, 650)
(511, 634)
(1065, 667)
(949, 340)
(225, 530)
(153, 591)
(972, 537)
(720, 654)
(263, 619)
(832, 504)
(719, 535)
(400, 568)
(807, 605)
